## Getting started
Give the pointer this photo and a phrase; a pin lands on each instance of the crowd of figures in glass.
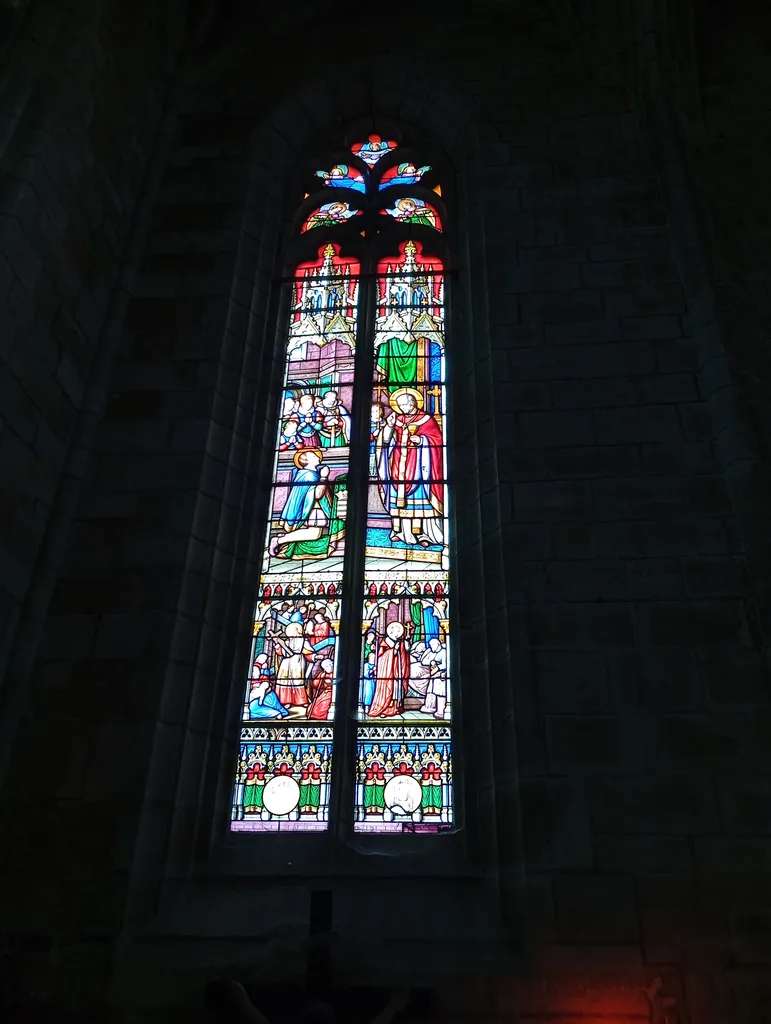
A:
(403, 744)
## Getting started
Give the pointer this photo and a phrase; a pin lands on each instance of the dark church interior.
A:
(601, 173)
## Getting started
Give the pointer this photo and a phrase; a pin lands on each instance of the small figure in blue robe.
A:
(263, 702)
(368, 683)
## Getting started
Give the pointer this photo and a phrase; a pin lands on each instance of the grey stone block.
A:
(572, 540)
(552, 501)
(702, 742)
(560, 307)
(726, 857)
(527, 541)
(715, 577)
(657, 804)
(529, 395)
(584, 332)
(586, 394)
(614, 539)
(668, 388)
(7, 277)
(549, 197)
(21, 254)
(554, 428)
(641, 854)
(582, 361)
(693, 623)
(600, 744)
(737, 678)
(751, 935)
(571, 681)
(677, 355)
(69, 636)
(590, 461)
(547, 277)
(671, 680)
(709, 494)
(17, 408)
(632, 247)
(745, 804)
(684, 458)
(595, 909)
(613, 274)
(696, 419)
(508, 336)
(638, 425)
(555, 820)
(548, 254)
(647, 497)
(636, 328)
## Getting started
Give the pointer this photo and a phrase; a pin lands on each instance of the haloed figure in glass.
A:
(309, 517)
(410, 466)
(414, 211)
(392, 673)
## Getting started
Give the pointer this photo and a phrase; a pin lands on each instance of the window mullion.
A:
(344, 756)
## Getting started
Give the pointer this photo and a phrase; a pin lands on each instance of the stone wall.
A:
(625, 604)
(82, 96)
(81, 102)
(729, 130)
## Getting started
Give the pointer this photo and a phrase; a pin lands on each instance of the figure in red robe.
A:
(321, 690)
(392, 673)
(410, 465)
(321, 628)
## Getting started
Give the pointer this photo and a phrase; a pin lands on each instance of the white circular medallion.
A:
(281, 794)
(403, 793)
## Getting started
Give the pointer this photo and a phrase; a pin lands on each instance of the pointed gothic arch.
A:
(249, 374)
(358, 513)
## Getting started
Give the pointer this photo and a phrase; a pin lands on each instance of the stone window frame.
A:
(488, 840)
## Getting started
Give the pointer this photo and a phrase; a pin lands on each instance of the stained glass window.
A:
(359, 486)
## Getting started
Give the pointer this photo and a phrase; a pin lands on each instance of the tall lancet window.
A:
(347, 710)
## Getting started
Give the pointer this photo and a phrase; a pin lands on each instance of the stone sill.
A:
(307, 855)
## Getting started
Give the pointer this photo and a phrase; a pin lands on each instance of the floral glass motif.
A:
(293, 669)
(402, 174)
(343, 176)
(410, 210)
(329, 215)
(373, 149)
(404, 715)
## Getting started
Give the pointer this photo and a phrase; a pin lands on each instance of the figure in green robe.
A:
(255, 784)
(397, 361)
(432, 788)
(374, 787)
(311, 517)
(310, 788)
